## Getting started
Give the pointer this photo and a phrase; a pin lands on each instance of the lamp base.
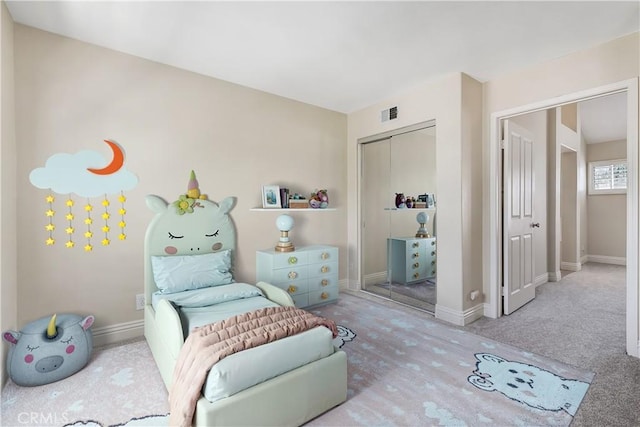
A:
(285, 247)
(423, 235)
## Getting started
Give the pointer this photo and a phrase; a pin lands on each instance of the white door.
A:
(518, 221)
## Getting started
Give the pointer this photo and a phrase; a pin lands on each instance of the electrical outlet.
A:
(140, 302)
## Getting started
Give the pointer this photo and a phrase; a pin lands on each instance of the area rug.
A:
(118, 384)
(404, 369)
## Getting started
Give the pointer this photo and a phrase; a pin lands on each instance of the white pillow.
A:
(176, 273)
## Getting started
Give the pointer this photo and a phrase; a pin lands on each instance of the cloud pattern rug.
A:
(405, 369)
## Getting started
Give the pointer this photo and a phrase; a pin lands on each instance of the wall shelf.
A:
(410, 209)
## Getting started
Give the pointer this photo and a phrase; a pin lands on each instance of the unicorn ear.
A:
(87, 322)
(227, 204)
(155, 203)
(11, 337)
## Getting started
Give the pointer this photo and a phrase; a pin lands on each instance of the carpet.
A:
(412, 370)
(405, 369)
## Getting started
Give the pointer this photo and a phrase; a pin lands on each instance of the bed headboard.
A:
(188, 226)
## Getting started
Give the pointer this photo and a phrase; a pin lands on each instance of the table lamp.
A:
(422, 219)
(284, 224)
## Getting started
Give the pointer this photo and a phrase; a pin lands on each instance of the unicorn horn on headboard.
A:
(193, 188)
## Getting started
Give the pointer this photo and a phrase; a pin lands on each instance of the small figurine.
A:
(400, 200)
(319, 199)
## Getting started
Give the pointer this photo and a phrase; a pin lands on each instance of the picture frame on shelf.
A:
(271, 197)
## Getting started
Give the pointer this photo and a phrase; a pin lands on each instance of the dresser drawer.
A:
(322, 282)
(295, 287)
(300, 300)
(289, 259)
(322, 269)
(329, 294)
(283, 275)
(325, 254)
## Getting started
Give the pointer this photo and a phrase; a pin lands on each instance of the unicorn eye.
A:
(214, 234)
(67, 341)
(32, 348)
(171, 236)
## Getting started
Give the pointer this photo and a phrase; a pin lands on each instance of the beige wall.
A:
(569, 210)
(72, 95)
(454, 101)
(8, 269)
(607, 231)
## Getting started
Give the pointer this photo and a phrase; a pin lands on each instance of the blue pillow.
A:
(176, 273)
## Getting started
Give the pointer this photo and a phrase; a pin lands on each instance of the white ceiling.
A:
(343, 56)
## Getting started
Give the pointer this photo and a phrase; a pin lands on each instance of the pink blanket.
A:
(209, 344)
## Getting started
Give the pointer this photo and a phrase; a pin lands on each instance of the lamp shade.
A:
(284, 223)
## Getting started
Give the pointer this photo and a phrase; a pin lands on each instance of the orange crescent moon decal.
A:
(116, 163)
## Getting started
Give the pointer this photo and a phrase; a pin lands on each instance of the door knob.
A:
(535, 225)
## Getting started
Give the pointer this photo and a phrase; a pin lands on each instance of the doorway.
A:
(494, 209)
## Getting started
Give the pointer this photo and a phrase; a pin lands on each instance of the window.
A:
(608, 177)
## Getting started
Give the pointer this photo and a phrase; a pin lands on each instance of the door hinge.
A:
(502, 144)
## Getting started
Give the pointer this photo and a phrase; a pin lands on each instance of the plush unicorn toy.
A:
(49, 349)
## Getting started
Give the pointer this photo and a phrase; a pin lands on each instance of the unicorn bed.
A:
(292, 376)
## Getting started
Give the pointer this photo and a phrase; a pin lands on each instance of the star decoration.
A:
(122, 211)
(50, 198)
(69, 216)
(122, 236)
(69, 203)
(122, 224)
(88, 234)
(50, 241)
(106, 215)
(88, 248)
(88, 208)
(69, 230)
(70, 244)
(50, 212)
(105, 203)
(50, 227)
(105, 242)
(122, 198)
(106, 228)
(88, 221)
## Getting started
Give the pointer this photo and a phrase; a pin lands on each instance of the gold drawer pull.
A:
(293, 260)
(324, 269)
(324, 282)
(325, 255)
(433, 253)
(324, 295)
(433, 263)
(292, 289)
(416, 265)
(433, 243)
(416, 244)
(416, 255)
(416, 275)
(292, 275)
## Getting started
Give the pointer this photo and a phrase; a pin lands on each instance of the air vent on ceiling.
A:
(389, 114)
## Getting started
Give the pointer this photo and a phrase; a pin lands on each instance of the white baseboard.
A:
(460, 318)
(607, 259)
(374, 278)
(571, 266)
(117, 333)
(541, 279)
(555, 276)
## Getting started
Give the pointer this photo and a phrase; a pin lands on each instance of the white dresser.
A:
(309, 274)
(411, 259)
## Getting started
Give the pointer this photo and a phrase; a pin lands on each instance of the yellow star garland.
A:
(50, 213)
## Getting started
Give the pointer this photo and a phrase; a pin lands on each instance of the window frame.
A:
(595, 192)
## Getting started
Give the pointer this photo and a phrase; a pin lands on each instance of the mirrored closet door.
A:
(398, 199)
